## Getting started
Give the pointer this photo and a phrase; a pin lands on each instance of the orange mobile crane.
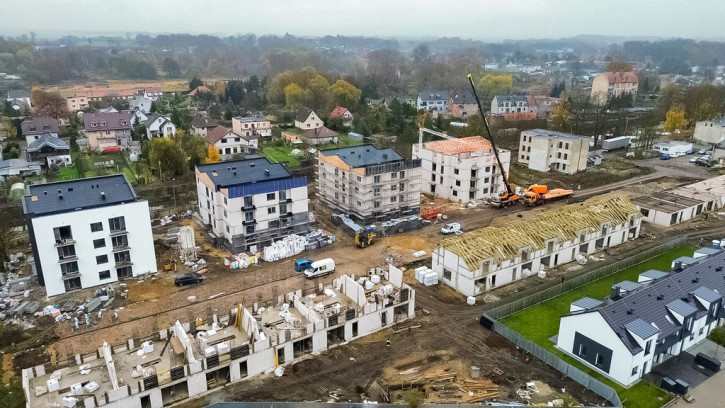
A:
(508, 197)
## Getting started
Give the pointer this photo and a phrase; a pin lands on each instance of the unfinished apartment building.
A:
(187, 360)
(462, 169)
(545, 150)
(368, 184)
(680, 204)
(488, 258)
(249, 203)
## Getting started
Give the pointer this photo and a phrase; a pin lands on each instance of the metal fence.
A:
(550, 358)
(348, 405)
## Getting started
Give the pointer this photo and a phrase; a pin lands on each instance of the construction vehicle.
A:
(539, 194)
(366, 236)
(508, 197)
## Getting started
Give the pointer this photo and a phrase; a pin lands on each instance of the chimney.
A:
(103, 195)
(266, 172)
(615, 292)
(385, 156)
(60, 196)
(678, 266)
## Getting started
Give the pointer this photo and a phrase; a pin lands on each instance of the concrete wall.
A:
(544, 153)
(709, 132)
(140, 241)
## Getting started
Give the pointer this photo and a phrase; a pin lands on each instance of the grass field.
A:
(541, 322)
(282, 153)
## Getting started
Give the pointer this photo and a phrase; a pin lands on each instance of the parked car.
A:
(451, 228)
(665, 157)
(320, 268)
(302, 265)
(701, 162)
(188, 279)
(690, 151)
(702, 151)
(694, 159)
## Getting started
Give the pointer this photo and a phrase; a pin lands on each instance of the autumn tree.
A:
(675, 120)
(317, 94)
(345, 94)
(48, 104)
(619, 66)
(7, 130)
(560, 115)
(494, 84)
(219, 88)
(212, 155)
(293, 95)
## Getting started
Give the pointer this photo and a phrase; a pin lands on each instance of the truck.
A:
(539, 194)
(616, 143)
(320, 268)
(451, 228)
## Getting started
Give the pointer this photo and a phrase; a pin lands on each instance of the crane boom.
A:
(432, 132)
(490, 137)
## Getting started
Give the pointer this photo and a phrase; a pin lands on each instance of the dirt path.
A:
(7, 365)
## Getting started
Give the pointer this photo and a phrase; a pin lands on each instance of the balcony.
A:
(122, 247)
(118, 232)
(67, 258)
(286, 215)
(249, 207)
(64, 242)
(123, 263)
(250, 222)
(71, 275)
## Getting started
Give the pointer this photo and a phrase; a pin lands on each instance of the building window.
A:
(455, 171)
(393, 199)
(458, 183)
(582, 352)
(249, 215)
(359, 179)
(599, 360)
(225, 200)
(359, 204)
(120, 241)
(272, 210)
(271, 196)
(393, 175)
(99, 243)
(274, 224)
(402, 174)
(376, 191)
(225, 213)
(376, 179)
(104, 275)
(250, 229)
(124, 256)
(635, 370)
(648, 348)
(376, 204)
(101, 259)
(117, 224)
(433, 167)
(96, 226)
(69, 268)
(248, 201)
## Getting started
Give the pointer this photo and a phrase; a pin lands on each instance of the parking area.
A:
(682, 367)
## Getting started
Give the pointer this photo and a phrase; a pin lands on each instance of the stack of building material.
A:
(290, 245)
(426, 276)
(400, 225)
(318, 239)
(347, 224)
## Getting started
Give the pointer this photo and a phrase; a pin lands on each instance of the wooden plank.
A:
(176, 345)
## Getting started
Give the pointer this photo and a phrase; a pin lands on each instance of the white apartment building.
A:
(545, 150)
(88, 232)
(662, 315)
(461, 170)
(488, 258)
(501, 104)
(433, 101)
(252, 127)
(234, 345)
(249, 203)
(368, 184)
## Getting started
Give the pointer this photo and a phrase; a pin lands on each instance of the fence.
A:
(548, 357)
(346, 405)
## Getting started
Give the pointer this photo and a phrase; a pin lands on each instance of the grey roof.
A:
(654, 274)
(261, 118)
(500, 99)
(108, 121)
(666, 202)
(553, 133)
(48, 140)
(303, 114)
(681, 308)
(65, 196)
(641, 328)
(627, 285)
(463, 98)
(39, 125)
(651, 302)
(18, 94)
(706, 294)
(236, 173)
(708, 251)
(364, 155)
(686, 260)
(587, 303)
(203, 121)
(433, 96)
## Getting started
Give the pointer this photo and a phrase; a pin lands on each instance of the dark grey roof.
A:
(641, 328)
(681, 308)
(463, 98)
(686, 260)
(261, 118)
(500, 99)
(433, 96)
(236, 173)
(666, 202)
(708, 251)
(48, 140)
(654, 274)
(18, 94)
(706, 294)
(303, 114)
(650, 303)
(587, 303)
(39, 125)
(203, 121)
(65, 196)
(364, 155)
(108, 121)
(553, 133)
(627, 285)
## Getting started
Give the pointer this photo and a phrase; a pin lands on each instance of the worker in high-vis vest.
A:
(387, 343)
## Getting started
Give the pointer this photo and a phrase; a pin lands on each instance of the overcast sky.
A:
(474, 19)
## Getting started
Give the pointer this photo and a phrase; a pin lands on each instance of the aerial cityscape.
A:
(358, 204)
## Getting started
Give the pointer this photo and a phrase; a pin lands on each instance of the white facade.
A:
(138, 244)
(432, 101)
(232, 143)
(252, 126)
(710, 131)
(545, 150)
(673, 148)
(501, 104)
(161, 126)
(141, 103)
(451, 169)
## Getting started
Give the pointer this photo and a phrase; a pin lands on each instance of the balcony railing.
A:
(123, 263)
(67, 258)
(120, 231)
(71, 275)
(121, 247)
(64, 242)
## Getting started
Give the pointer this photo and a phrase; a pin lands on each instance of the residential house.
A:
(490, 257)
(34, 128)
(542, 105)
(229, 143)
(252, 126)
(77, 103)
(49, 150)
(624, 337)
(199, 89)
(545, 150)
(291, 137)
(462, 169)
(501, 104)
(18, 167)
(88, 232)
(201, 125)
(433, 101)
(19, 98)
(108, 131)
(249, 204)
(346, 115)
(463, 105)
(609, 84)
(710, 131)
(318, 136)
(158, 125)
(141, 103)
(95, 94)
(153, 93)
(368, 184)
(307, 119)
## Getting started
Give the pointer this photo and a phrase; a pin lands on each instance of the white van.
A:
(320, 268)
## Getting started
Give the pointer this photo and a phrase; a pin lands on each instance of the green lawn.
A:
(282, 154)
(541, 322)
(67, 173)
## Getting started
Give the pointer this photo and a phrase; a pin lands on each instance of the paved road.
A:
(707, 394)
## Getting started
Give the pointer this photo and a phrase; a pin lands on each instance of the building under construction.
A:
(491, 257)
(191, 359)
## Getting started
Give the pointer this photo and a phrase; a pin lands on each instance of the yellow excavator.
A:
(365, 237)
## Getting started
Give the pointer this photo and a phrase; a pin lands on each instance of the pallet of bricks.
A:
(400, 225)
(444, 384)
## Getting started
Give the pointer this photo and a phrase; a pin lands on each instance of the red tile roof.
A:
(462, 145)
(338, 112)
(198, 89)
(621, 77)
(153, 89)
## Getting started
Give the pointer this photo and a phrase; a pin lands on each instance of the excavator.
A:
(508, 197)
(365, 238)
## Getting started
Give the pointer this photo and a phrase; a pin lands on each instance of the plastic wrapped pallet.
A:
(431, 278)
